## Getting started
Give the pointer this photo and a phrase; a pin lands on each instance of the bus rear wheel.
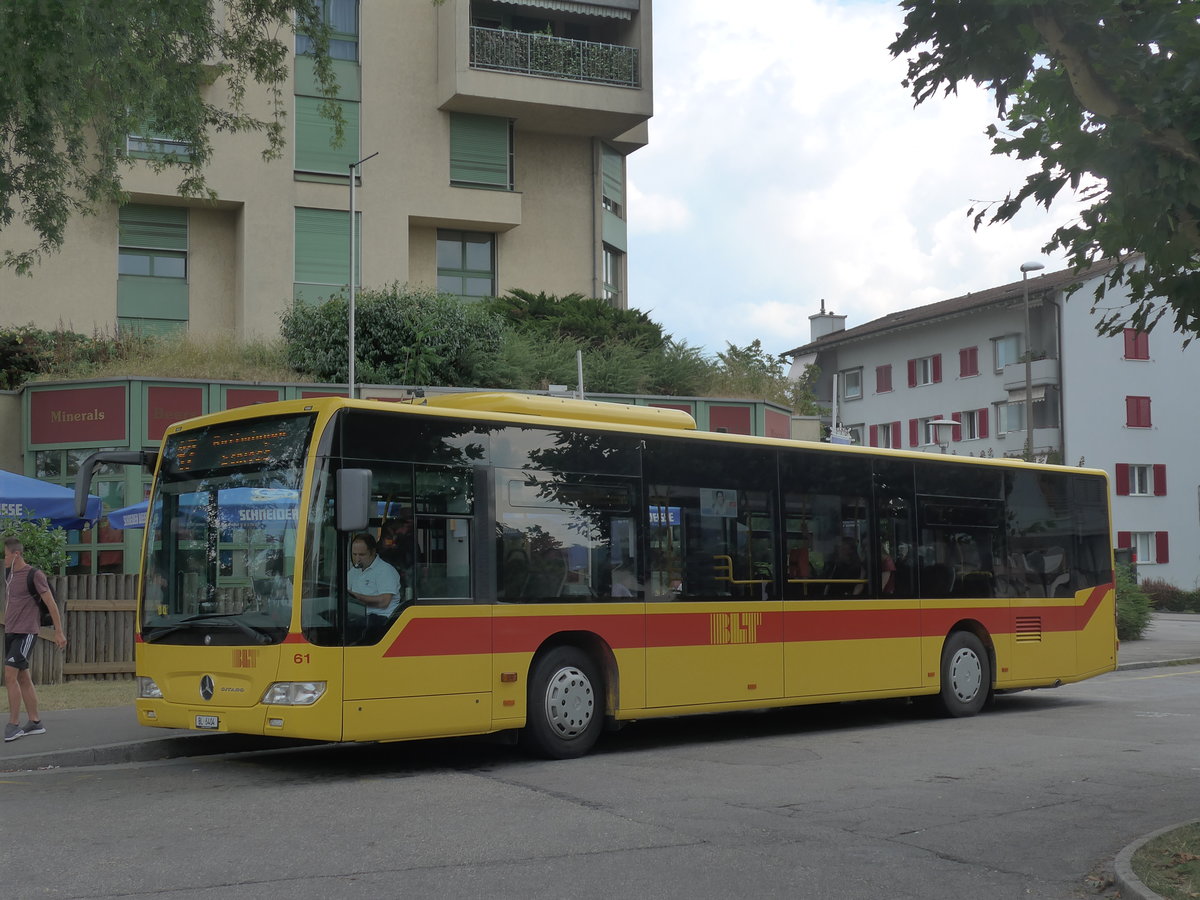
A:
(565, 706)
(966, 675)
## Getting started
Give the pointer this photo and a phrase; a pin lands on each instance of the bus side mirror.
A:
(353, 499)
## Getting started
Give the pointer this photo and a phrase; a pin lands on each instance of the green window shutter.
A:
(148, 297)
(612, 171)
(157, 227)
(347, 73)
(323, 248)
(314, 134)
(479, 150)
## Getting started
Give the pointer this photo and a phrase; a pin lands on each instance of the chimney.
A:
(824, 323)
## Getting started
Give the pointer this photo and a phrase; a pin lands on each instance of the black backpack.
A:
(46, 620)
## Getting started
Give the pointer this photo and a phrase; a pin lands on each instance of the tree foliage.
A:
(594, 322)
(1106, 95)
(45, 546)
(402, 335)
(77, 76)
(1133, 606)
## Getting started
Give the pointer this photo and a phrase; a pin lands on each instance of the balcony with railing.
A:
(545, 55)
(591, 77)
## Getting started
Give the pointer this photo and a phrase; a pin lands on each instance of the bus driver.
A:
(373, 583)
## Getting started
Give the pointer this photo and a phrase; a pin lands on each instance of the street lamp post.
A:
(353, 173)
(1026, 268)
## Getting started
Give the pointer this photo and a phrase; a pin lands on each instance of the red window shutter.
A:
(983, 422)
(1124, 539)
(873, 438)
(1122, 479)
(1160, 480)
(1162, 552)
(912, 432)
(1137, 344)
(896, 441)
(912, 373)
(937, 368)
(1137, 412)
(883, 379)
(968, 362)
(956, 431)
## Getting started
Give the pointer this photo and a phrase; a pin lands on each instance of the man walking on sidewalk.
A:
(22, 618)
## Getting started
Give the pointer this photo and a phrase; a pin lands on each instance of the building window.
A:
(612, 178)
(968, 428)
(886, 435)
(851, 381)
(315, 153)
(322, 253)
(152, 268)
(612, 275)
(1137, 344)
(466, 263)
(856, 434)
(1141, 480)
(883, 379)
(1007, 350)
(968, 362)
(1010, 416)
(481, 152)
(1137, 412)
(1149, 547)
(926, 370)
(341, 16)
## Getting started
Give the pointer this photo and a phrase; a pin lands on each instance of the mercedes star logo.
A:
(206, 687)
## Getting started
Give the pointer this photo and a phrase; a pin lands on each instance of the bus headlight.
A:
(147, 689)
(294, 693)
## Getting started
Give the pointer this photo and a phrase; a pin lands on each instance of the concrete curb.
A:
(1129, 884)
(1158, 663)
(150, 750)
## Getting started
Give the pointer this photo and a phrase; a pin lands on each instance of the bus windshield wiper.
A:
(260, 636)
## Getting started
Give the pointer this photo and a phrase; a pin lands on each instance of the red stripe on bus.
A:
(523, 634)
(443, 637)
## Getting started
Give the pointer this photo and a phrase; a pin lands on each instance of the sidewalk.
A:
(94, 737)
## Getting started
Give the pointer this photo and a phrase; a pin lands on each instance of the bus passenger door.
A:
(713, 616)
(851, 613)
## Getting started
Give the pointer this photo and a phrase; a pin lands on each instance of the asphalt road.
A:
(868, 800)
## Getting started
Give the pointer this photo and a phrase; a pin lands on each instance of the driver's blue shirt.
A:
(377, 578)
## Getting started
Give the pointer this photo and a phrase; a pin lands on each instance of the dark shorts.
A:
(17, 648)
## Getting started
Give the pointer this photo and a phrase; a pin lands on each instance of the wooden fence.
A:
(100, 627)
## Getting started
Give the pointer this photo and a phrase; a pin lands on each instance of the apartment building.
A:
(501, 128)
(954, 377)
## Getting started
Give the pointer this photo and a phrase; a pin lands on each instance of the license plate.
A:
(210, 722)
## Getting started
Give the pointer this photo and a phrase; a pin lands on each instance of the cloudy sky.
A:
(787, 164)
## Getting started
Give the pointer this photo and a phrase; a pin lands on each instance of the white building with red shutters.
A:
(952, 377)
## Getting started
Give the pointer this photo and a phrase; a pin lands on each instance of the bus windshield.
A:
(222, 533)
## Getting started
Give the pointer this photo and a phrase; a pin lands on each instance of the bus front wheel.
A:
(966, 675)
(566, 705)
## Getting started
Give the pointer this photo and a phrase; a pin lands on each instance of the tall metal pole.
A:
(1026, 268)
(353, 176)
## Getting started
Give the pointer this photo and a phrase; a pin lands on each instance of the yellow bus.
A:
(349, 570)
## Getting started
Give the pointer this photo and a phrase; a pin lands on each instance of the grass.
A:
(1170, 864)
(216, 356)
(86, 694)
